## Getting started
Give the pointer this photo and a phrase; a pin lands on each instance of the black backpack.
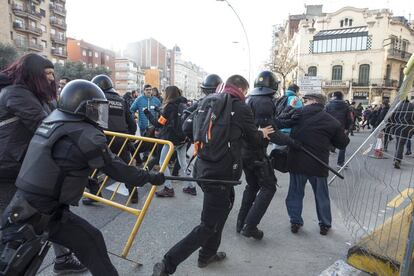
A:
(211, 127)
(280, 105)
(187, 123)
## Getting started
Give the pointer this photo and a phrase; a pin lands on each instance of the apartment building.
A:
(128, 76)
(37, 26)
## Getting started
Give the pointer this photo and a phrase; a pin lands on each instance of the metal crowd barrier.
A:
(138, 213)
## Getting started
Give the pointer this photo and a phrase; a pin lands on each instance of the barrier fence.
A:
(128, 147)
(376, 196)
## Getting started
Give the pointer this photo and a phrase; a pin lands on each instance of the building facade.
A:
(128, 76)
(35, 26)
(149, 54)
(91, 55)
(359, 52)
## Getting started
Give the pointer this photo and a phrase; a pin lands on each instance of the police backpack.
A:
(211, 127)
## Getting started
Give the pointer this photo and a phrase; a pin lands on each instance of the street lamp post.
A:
(244, 31)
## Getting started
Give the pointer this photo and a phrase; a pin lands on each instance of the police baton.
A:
(218, 181)
(321, 162)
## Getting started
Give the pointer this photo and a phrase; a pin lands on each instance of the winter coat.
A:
(381, 114)
(21, 113)
(401, 121)
(169, 122)
(317, 134)
(340, 110)
(141, 103)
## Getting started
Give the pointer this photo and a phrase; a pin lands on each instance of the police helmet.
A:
(266, 83)
(81, 97)
(210, 83)
(104, 82)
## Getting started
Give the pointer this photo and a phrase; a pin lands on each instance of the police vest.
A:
(117, 113)
(263, 109)
(41, 175)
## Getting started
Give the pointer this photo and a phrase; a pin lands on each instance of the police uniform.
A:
(260, 178)
(63, 152)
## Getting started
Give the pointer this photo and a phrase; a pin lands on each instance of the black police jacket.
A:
(316, 134)
(21, 113)
(61, 156)
(242, 128)
(264, 112)
(120, 117)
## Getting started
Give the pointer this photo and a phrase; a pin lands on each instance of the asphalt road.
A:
(170, 219)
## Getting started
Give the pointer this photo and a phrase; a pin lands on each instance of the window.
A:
(388, 72)
(90, 53)
(44, 44)
(363, 78)
(350, 22)
(401, 76)
(107, 57)
(312, 71)
(84, 53)
(96, 54)
(337, 73)
(43, 27)
(339, 40)
(52, 31)
(42, 13)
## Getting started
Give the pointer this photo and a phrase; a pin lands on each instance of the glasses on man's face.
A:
(148, 89)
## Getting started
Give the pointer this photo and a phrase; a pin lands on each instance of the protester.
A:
(218, 198)
(339, 109)
(171, 130)
(65, 149)
(316, 130)
(28, 94)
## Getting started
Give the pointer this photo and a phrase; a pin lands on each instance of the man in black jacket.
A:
(341, 111)
(218, 198)
(316, 130)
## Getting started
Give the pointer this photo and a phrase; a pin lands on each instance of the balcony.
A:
(374, 83)
(28, 29)
(398, 54)
(59, 10)
(20, 43)
(58, 39)
(59, 53)
(390, 83)
(21, 11)
(35, 47)
(58, 23)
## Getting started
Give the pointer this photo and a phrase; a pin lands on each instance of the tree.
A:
(77, 70)
(8, 54)
(282, 61)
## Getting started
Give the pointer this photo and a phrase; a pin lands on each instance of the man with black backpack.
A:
(260, 177)
(221, 122)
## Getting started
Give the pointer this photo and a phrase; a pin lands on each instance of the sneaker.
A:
(159, 269)
(408, 153)
(166, 192)
(68, 264)
(239, 226)
(397, 164)
(254, 232)
(323, 230)
(294, 228)
(190, 190)
(219, 256)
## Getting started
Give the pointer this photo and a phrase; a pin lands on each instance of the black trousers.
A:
(399, 147)
(7, 188)
(84, 240)
(217, 203)
(256, 197)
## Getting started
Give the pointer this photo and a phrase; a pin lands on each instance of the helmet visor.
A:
(97, 111)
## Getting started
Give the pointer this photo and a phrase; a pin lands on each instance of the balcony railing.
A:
(57, 23)
(58, 39)
(19, 10)
(57, 9)
(28, 29)
(376, 83)
(35, 47)
(398, 54)
(58, 52)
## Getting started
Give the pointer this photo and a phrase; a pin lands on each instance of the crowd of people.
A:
(51, 138)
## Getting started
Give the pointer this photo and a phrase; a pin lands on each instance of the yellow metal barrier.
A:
(139, 213)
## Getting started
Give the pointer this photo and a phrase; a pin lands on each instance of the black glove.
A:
(146, 111)
(156, 179)
(296, 144)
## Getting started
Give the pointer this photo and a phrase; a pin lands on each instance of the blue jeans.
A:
(341, 157)
(181, 158)
(294, 200)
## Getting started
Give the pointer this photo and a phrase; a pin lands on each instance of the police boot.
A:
(218, 257)
(160, 269)
(254, 232)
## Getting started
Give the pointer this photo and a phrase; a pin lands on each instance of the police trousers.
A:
(217, 203)
(256, 197)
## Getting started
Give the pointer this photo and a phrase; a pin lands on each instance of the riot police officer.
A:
(260, 178)
(120, 120)
(208, 86)
(65, 149)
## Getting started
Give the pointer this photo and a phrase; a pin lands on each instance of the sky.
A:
(208, 32)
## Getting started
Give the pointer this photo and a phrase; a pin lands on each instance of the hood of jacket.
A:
(290, 93)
